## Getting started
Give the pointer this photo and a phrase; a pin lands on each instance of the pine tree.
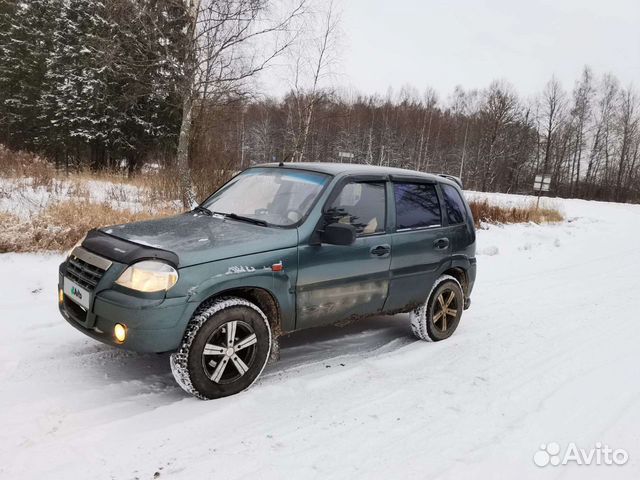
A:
(110, 86)
(25, 44)
(147, 71)
(77, 99)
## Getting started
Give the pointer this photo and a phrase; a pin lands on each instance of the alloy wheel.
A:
(445, 310)
(232, 343)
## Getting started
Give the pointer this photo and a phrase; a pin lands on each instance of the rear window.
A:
(453, 203)
(417, 205)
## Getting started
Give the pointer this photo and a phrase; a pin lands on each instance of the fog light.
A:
(60, 296)
(120, 332)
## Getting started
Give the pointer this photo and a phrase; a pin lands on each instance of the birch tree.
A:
(580, 114)
(223, 53)
(499, 111)
(553, 103)
(627, 131)
(313, 61)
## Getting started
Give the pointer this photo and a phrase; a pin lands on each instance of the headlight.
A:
(76, 245)
(149, 276)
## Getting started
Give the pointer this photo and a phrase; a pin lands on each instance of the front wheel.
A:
(225, 348)
(439, 316)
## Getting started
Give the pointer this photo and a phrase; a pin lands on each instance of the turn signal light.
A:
(60, 296)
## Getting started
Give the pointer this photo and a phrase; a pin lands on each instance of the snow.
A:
(21, 197)
(548, 352)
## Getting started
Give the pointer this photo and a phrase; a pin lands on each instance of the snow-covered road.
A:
(548, 352)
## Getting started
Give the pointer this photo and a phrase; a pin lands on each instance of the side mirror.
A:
(338, 234)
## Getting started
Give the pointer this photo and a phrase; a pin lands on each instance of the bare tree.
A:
(553, 108)
(314, 60)
(581, 113)
(464, 106)
(627, 130)
(499, 111)
(430, 101)
(600, 157)
(222, 55)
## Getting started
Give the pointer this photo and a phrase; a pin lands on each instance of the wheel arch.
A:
(461, 275)
(259, 296)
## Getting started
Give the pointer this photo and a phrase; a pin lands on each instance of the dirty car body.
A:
(298, 245)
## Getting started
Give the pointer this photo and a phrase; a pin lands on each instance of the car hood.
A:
(198, 238)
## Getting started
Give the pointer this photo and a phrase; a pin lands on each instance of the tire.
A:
(225, 347)
(428, 321)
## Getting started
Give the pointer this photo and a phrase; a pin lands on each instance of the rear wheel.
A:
(225, 348)
(439, 316)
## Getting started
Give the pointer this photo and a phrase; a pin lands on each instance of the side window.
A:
(362, 205)
(454, 204)
(417, 205)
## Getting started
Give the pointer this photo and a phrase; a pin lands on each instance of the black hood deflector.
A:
(122, 251)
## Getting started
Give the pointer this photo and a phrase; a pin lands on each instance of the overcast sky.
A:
(443, 43)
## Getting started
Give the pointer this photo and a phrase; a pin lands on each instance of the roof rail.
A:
(453, 178)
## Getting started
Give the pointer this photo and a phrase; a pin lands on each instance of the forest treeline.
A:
(87, 83)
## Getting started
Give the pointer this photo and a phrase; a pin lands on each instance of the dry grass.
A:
(66, 211)
(161, 185)
(62, 224)
(484, 212)
(26, 165)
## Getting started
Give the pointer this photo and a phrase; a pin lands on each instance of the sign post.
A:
(348, 155)
(542, 183)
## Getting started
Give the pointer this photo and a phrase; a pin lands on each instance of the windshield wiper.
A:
(202, 209)
(233, 216)
(241, 218)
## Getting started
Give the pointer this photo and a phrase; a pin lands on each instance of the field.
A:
(548, 352)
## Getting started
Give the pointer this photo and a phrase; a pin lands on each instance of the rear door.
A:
(340, 282)
(420, 245)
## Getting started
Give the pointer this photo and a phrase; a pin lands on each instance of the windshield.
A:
(277, 196)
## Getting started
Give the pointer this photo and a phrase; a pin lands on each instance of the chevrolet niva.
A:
(278, 248)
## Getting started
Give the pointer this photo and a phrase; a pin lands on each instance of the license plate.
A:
(76, 293)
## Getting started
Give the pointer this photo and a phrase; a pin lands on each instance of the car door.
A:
(420, 245)
(341, 282)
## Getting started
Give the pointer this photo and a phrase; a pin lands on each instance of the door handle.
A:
(380, 250)
(441, 243)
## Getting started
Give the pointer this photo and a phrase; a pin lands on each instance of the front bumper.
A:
(153, 324)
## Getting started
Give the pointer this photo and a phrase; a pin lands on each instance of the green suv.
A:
(279, 248)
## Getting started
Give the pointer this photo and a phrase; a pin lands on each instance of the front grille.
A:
(83, 273)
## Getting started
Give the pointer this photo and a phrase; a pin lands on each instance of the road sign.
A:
(345, 155)
(542, 183)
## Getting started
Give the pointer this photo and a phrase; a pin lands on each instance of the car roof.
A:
(356, 169)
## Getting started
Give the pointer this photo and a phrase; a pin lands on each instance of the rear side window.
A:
(417, 205)
(362, 205)
(453, 203)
